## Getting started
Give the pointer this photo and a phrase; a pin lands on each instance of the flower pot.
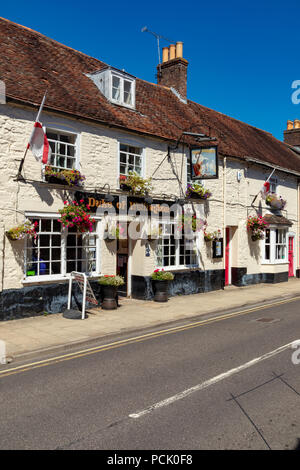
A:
(109, 294)
(161, 291)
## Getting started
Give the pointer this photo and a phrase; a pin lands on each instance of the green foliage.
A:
(111, 280)
(162, 275)
(138, 185)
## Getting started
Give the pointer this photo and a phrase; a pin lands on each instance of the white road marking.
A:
(209, 382)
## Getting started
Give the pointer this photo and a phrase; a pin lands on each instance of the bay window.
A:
(56, 251)
(275, 245)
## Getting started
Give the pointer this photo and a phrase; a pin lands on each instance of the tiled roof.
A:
(31, 62)
(277, 219)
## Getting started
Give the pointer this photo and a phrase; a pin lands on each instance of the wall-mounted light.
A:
(148, 199)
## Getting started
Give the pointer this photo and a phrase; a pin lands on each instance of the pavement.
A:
(53, 332)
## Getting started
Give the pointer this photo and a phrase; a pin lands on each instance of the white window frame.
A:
(62, 130)
(133, 143)
(122, 77)
(63, 275)
(273, 259)
(177, 264)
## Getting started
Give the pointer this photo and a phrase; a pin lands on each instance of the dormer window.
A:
(117, 86)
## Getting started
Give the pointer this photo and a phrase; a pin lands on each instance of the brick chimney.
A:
(292, 133)
(172, 72)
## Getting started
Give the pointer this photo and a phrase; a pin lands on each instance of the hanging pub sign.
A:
(204, 163)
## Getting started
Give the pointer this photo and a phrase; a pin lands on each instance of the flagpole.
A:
(265, 182)
(36, 120)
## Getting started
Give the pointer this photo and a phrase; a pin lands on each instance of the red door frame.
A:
(291, 255)
(227, 256)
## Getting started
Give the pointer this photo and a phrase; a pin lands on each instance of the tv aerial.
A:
(158, 37)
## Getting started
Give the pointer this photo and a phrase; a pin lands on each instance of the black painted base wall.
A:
(184, 283)
(241, 278)
(42, 299)
(53, 298)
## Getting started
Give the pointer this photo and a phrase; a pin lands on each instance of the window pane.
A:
(56, 240)
(267, 252)
(44, 240)
(127, 92)
(55, 268)
(56, 226)
(116, 88)
(46, 225)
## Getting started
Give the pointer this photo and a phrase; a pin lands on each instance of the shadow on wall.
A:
(17, 249)
(254, 248)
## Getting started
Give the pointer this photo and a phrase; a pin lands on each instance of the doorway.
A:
(291, 255)
(227, 257)
(122, 265)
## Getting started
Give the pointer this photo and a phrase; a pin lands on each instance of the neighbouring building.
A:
(105, 123)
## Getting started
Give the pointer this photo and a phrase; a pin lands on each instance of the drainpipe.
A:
(298, 229)
(224, 209)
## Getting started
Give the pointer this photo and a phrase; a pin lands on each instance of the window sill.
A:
(274, 263)
(44, 279)
(179, 268)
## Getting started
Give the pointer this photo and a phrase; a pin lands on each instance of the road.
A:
(224, 383)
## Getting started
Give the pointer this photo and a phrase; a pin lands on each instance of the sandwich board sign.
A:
(87, 294)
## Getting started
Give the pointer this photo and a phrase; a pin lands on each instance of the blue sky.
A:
(243, 56)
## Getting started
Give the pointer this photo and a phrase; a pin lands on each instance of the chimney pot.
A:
(165, 56)
(290, 125)
(172, 52)
(296, 124)
(172, 72)
(179, 47)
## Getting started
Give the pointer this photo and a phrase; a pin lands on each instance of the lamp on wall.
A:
(179, 201)
(108, 197)
(148, 199)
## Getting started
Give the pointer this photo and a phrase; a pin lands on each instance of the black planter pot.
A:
(125, 187)
(161, 291)
(54, 180)
(109, 294)
(196, 196)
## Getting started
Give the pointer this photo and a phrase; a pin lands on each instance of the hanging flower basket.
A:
(257, 235)
(113, 232)
(75, 214)
(275, 202)
(27, 229)
(135, 184)
(256, 225)
(64, 177)
(211, 236)
(190, 221)
(197, 191)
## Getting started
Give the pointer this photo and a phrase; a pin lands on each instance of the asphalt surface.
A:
(88, 402)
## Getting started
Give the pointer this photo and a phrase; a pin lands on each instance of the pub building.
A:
(103, 125)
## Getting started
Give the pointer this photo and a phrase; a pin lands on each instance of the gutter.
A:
(269, 165)
(52, 109)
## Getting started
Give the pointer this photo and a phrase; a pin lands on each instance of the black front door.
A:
(122, 265)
